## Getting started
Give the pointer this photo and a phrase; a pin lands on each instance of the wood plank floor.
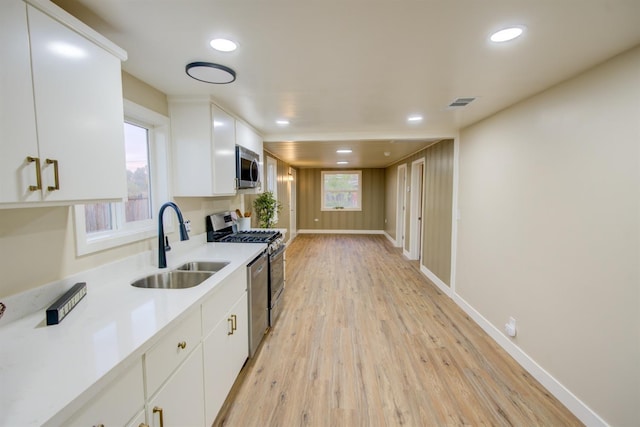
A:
(366, 340)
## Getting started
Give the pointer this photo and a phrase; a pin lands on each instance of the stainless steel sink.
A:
(203, 266)
(173, 279)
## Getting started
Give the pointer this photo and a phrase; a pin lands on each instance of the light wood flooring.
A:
(366, 340)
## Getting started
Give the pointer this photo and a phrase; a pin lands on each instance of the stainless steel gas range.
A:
(265, 291)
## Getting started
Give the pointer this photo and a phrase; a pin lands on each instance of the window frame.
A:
(125, 233)
(322, 191)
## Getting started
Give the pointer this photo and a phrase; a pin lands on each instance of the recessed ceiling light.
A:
(506, 34)
(282, 122)
(414, 118)
(344, 150)
(342, 162)
(223, 45)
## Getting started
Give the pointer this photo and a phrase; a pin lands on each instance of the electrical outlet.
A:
(510, 327)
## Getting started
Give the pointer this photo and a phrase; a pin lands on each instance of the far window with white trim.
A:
(341, 190)
(101, 226)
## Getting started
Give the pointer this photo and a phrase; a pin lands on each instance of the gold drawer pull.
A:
(182, 344)
(56, 177)
(234, 324)
(159, 410)
(38, 185)
(230, 320)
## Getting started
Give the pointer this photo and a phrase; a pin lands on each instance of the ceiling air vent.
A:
(461, 102)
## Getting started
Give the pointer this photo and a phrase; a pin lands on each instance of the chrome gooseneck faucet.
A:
(162, 248)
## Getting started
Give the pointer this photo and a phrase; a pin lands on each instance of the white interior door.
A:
(415, 239)
(402, 203)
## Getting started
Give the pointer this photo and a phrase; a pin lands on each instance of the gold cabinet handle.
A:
(182, 344)
(38, 185)
(230, 320)
(159, 410)
(143, 425)
(234, 324)
(56, 177)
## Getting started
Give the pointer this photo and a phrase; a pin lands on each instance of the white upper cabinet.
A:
(224, 152)
(204, 138)
(248, 138)
(71, 123)
(18, 138)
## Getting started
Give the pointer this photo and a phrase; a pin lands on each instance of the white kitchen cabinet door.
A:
(79, 109)
(18, 138)
(225, 351)
(138, 421)
(224, 152)
(204, 153)
(117, 404)
(171, 350)
(180, 401)
(191, 140)
(248, 138)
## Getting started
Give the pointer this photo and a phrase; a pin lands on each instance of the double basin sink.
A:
(186, 276)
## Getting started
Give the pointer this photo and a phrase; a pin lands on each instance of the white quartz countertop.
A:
(48, 372)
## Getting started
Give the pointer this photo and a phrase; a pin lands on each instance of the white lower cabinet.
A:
(179, 402)
(225, 350)
(117, 404)
(184, 377)
(139, 420)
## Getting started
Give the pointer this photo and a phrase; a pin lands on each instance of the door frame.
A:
(417, 199)
(401, 205)
(293, 205)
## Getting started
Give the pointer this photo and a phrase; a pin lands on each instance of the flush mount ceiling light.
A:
(506, 34)
(414, 118)
(282, 122)
(209, 72)
(344, 150)
(223, 45)
(342, 162)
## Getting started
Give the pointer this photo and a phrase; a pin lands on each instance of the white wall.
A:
(549, 197)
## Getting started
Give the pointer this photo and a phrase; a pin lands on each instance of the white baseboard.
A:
(436, 280)
(340, 231)
(391, 239)
(407, 254)
(571, 401)
(575, 405)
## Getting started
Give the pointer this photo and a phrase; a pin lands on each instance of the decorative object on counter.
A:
(162, 246)
(244, 221)
(266, 207)
(2, 309)
(63, 305)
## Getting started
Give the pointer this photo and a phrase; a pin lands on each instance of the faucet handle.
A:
(167, 248)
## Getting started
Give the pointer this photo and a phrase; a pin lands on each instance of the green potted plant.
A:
(266, 207)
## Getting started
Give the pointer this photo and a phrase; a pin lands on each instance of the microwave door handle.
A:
(254, 161)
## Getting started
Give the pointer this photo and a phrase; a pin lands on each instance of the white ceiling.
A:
(355, 70)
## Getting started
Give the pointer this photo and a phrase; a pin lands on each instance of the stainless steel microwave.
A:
(247, 168)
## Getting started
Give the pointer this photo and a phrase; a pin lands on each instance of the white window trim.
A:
(158, 158)
(335, 172)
